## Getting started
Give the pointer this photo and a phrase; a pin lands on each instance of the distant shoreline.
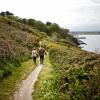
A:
(84, 33)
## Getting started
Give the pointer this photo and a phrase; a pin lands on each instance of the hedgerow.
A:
(78, 73)
(71, 74)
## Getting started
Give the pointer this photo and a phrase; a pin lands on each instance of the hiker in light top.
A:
(41, 54)
(34, 55)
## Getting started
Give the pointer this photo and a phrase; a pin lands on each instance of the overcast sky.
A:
(77, 15)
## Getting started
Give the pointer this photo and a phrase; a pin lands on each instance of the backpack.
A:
(41, 52)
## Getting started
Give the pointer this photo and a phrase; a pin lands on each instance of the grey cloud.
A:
(95, 1)
(85, 28)
(88, 18)
(90, 14)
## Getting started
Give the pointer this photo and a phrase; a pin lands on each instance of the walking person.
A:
(34, 55)
(41, 54)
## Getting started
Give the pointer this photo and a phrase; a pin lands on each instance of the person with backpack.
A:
(34, 55)
(41, 54)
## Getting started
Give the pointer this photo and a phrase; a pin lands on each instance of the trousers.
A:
(34, 60)
(41, 59)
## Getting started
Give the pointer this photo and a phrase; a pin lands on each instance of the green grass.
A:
(69, 74)
(78, 73)
(42, 86)
(45, 87)
(9, 84)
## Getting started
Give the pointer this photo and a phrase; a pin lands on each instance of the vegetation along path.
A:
(26, 87)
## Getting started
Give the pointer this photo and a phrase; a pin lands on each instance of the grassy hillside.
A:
(16, 42)
(68, 74)
(10, 84)
(71, 74)
(17, 38)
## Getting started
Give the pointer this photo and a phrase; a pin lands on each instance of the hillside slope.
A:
(16, 41)
(69, 74)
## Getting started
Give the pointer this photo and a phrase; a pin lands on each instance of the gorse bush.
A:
(11, 55)
(73, 74)
(77, 73)
(1, 73)
(15, 44)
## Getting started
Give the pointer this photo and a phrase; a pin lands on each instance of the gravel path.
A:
(26, 87)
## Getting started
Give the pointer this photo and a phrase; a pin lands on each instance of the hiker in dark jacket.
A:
(41, 54)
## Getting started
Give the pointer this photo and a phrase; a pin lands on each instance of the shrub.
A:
(1, 73)
(76, 79)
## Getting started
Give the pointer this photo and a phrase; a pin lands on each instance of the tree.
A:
(40, 26)
(24, 20)
(2, 13)
(9, 13)
(31, 22)
(48, 23)
(55, 28)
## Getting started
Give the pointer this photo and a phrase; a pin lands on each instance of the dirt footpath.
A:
(26, 87)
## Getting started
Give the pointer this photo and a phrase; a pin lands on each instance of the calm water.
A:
(92, 41)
